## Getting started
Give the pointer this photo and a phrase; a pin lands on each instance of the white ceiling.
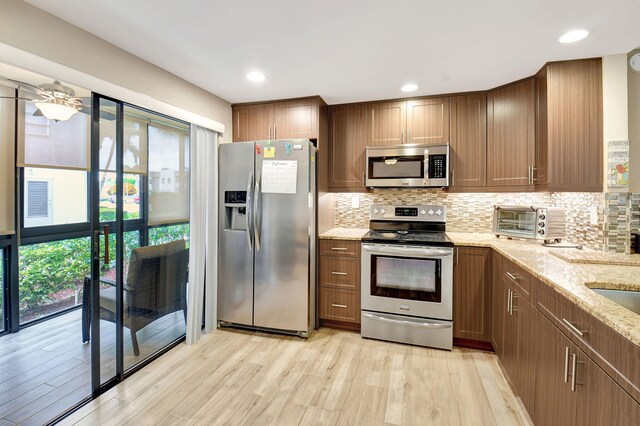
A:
(353, 50)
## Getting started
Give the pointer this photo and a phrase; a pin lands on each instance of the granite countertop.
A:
(344, 234)
(574, 280)
(572, 272)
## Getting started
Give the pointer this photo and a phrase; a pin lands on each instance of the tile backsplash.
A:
(471, 212)
(622, 220)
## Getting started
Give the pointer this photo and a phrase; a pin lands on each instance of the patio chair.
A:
(155, 286)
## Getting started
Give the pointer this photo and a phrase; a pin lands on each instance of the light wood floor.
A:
(237, 377)
(45, 369)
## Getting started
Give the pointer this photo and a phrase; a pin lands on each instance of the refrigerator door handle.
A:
(257, 212)
(248, 211)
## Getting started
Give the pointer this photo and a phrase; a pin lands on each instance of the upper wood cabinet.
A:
(348, 140)
(252, 122)
(472, 294)
(428, 121)
(468, 141)
(569, 145)
(294, 119)
(417, 121)
(387, 123)
(511, 136)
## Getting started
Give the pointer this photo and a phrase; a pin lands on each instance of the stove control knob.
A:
(376, 211)
(423, 212)
(382, 211)
(430, 212)
(438, 212)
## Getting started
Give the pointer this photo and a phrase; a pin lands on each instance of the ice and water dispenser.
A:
(235, 203)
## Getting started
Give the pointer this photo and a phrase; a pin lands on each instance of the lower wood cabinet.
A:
(339, 284)
(498, 303)
(472, 294)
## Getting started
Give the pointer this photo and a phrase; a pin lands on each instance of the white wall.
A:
(614, 94)
(32, 30)
(633, 94)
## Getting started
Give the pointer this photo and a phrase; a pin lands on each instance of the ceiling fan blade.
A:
(103, 114)
(38, 113)
(19, 98)
(29, 86)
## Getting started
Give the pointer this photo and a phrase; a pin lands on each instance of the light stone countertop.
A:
(344, 234)
(573, 279)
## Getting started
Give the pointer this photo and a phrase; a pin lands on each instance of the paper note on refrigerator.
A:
(279, 177)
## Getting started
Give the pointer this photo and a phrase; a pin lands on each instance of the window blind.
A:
(50, 144)
(134, 145)
(7, 160)
(168, 174)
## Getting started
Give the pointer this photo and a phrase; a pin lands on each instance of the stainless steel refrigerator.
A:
(267, 235)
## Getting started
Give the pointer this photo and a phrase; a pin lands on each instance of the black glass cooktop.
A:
(408, 237)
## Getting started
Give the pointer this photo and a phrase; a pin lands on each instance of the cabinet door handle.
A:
(513, 296)
(533, 177)
(574, 362)
(269, 138)
(338, 273)
(453, 177)
(509, 301)
(275, 132)
(335, 305)
(573, 328)
(566, 364)
(402, 136)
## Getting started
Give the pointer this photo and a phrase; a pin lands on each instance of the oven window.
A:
(396, 167)
(516, 222)
(406, 278)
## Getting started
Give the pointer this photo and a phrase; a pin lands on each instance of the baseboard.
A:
(473, 344)
(340, 325)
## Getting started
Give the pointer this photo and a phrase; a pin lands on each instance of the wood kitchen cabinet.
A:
(339, 284)
(347, 144)
(511, 136)
(387, 123)
(569, 145)
(416, 121)
(291, 119)
(498, 304)
(428, 121)
(570, 388)
(472, 294)
(468, 142)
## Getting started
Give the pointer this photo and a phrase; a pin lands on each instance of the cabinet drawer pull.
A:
(336, 305)
(338, 273)
(339, 248)
(566, 364)
(512, 276)
(573, 328)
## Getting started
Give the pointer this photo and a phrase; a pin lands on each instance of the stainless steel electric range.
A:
(407, 276)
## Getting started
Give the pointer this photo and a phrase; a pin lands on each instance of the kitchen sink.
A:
(626, 298)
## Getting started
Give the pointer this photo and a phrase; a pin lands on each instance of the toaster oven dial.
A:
(541, 231)
(541, 217)
(541, 224)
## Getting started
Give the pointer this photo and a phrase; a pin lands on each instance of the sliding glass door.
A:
(140, 211)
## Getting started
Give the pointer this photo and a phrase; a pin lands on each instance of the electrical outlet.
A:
(355, 202)
(593, 212)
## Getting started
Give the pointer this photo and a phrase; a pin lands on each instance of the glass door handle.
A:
(96, 248)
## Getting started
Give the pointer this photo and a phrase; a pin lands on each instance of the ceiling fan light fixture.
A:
(57, 111)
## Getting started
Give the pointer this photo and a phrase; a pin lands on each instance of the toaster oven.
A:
(540, 223)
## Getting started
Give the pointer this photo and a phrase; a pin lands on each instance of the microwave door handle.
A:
(426, 167)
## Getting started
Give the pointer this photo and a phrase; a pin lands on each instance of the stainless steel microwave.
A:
(413, 166)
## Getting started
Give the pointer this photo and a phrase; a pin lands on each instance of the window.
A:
(51, 276)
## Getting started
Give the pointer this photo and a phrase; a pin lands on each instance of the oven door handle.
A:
(408, 251)
(404, 322)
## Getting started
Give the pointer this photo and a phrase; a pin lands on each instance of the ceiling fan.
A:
(55, 101)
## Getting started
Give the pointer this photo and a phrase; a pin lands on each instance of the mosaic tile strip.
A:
(471, 212)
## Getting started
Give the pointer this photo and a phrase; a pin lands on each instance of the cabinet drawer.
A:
(340, 272)
(340, 305)
(518, 277)
(340, 248)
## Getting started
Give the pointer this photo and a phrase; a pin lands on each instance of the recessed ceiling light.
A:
(409, 87)
(256, 76)
(573, 36)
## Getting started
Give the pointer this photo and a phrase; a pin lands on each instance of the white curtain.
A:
(203, 274)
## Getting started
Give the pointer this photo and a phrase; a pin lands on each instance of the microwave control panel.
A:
(437, 166)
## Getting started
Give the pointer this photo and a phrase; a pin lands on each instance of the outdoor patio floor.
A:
(46, 369)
